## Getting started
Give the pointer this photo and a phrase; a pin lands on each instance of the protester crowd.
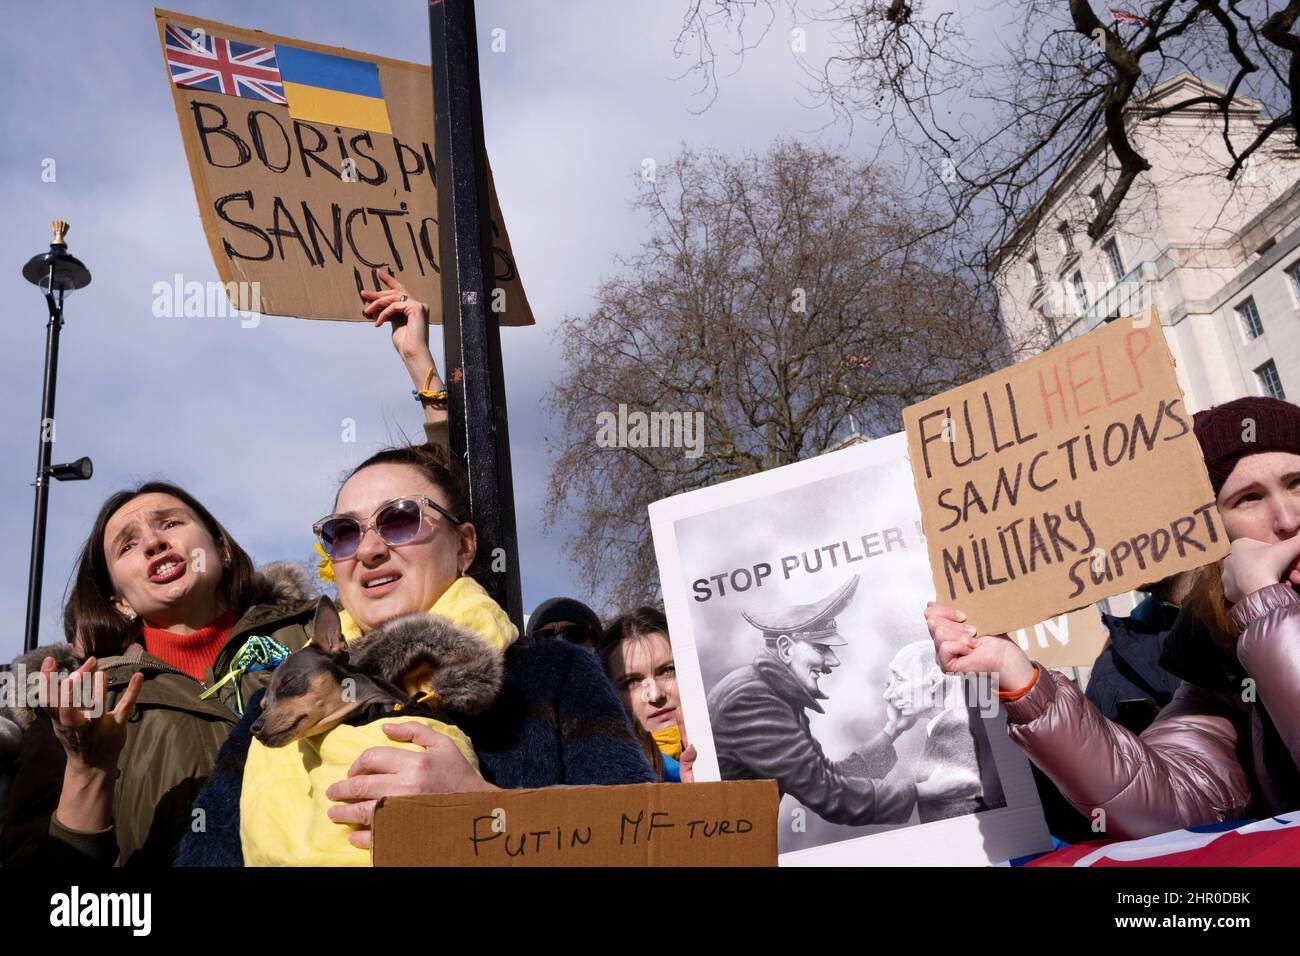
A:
(1192, 715)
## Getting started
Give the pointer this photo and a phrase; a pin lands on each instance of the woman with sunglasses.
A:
(400, 543)
(414, 615)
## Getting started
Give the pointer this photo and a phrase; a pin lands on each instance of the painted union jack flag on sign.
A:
(204, 62)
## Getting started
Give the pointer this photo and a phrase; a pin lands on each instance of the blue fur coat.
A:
(556, 721)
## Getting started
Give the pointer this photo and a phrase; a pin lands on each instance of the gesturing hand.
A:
(407, 318)
(391, 771)
(1256, 564)
(91, 737)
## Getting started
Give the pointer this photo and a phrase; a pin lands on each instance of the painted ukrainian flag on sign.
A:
(337, 90)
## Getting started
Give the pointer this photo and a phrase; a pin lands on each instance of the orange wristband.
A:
(1007, 696)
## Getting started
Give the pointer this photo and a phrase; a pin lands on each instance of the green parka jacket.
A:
(171, 742)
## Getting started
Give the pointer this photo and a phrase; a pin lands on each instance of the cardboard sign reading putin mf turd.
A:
(1062, 480)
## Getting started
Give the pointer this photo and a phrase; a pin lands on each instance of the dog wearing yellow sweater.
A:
(326, 704)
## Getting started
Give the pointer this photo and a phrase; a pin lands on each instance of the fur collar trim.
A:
(427, 652)
(66, 659)
(282, 582)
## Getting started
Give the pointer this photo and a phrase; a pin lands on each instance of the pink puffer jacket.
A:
(1227, 746)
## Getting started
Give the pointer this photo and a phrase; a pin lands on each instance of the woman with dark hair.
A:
(401, 545)
(163, 600)
(1227, 745)
(638, 658)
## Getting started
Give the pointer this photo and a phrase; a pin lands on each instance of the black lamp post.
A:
(476, 398)
(57, 272)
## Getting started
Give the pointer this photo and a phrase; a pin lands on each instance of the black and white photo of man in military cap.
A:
(761, 728)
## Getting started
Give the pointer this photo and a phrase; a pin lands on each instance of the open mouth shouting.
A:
(166, 568)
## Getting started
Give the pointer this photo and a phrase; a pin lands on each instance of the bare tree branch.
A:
(986, 106)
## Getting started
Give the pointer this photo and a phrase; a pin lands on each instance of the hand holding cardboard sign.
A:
(1255, 564)
(407, 317)
(959, 651)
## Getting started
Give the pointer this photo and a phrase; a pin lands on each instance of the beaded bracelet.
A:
(420, 394)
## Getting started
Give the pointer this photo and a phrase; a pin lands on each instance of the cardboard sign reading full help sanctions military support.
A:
(1062, 480)
(314, 168)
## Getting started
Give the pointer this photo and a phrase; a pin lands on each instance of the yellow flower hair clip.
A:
(325, 566)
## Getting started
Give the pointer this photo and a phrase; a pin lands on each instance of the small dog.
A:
(316, 689)
(422, 667)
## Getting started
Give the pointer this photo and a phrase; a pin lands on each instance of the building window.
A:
(1116, 261)
(1250, 321)
(1269, 381)
(1038, 270)
(1293, 274)
(1096, 197)
(1067, 238)
(1080, 293)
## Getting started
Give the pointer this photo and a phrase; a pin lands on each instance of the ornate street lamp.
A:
(57, 272)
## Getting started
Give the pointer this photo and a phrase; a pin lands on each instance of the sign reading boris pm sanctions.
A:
(314, 167)
(1062, 480)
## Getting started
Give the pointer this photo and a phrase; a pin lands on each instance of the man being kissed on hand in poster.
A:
(761, 729)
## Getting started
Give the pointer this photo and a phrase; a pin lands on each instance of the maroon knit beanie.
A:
(1245, 426)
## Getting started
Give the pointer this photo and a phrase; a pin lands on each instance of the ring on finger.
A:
(403, 297)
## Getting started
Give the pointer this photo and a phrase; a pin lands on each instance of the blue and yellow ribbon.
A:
(258, 654)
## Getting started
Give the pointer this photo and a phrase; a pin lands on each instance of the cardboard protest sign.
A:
(1066, 640)
(652, 824)
(314, 167)
(795, 602)
(1062, 480)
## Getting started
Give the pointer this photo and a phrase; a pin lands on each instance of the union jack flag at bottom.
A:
(202, 62)
(1271, 842)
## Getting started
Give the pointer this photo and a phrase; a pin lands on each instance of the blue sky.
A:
(249, 418)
